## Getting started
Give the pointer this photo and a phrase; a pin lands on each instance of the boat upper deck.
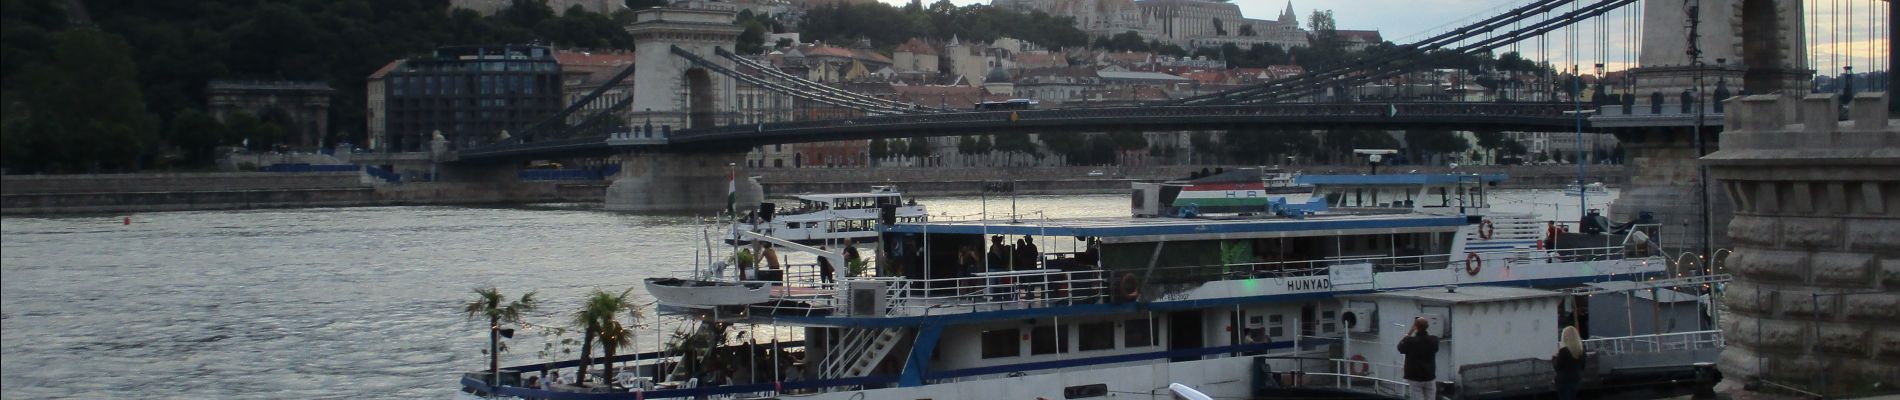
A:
(1133, 229)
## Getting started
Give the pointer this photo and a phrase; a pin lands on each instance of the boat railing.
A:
(998, 290)
(1343, 375)
(1655, 343)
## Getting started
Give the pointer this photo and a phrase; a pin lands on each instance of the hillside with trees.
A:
(105, 88)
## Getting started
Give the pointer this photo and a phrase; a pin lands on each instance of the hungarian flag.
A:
(732, 194)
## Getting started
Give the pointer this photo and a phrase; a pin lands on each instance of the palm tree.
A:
(598, 315)
(488, 303)
(614, 337)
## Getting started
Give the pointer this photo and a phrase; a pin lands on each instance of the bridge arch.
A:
(701, 103)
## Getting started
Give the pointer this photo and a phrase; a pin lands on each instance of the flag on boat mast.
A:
(732, 192)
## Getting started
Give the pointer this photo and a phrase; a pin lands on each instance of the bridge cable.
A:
(818, 97)
(1396, 54)
(1536, 29)
(1539, 28)
(807, 84)
(535, 129)
(1433, 43)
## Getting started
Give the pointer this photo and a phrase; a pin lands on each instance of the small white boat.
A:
(1593, 189)
(832, 217)
(706, 294)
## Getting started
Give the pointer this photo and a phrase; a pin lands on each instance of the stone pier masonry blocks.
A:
(1816, 297)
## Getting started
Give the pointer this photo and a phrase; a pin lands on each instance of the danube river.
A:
(344, 302)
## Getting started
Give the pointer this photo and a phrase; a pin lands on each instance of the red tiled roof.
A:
(825, 51)
(385, 70)
(870, 55)
(916, 46)
(569, 58)
(1129, 57)
(1040, 60)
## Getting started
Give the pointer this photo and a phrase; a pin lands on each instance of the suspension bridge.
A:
(1663, 66)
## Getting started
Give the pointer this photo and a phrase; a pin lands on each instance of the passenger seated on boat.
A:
(534, 382)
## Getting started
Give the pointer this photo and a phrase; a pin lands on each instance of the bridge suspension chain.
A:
(1425, 46)
(781, 89)
(806, 84)
(1389, 70)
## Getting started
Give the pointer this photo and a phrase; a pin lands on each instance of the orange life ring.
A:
(1130, 291)
(1359, 366)
(1473, 264)
(1485, 230)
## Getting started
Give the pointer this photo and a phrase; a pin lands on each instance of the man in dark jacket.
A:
(1421, 361)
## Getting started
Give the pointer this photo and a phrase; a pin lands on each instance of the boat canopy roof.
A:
(1132, 228)
(833, 197)
(1397, 179)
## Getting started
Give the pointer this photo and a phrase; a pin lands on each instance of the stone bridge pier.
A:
(1816, 294)
(678, 182)
(1746, 46)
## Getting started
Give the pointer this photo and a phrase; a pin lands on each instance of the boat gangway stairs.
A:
(860, 350)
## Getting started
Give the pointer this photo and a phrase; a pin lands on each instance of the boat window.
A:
(1001, 343)
(1049, 339)
(1276, 325)
(1138, 333)
(1096, 336)
(1085, 391)
(1326, 318)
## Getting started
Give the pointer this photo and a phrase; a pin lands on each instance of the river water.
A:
(346, 302)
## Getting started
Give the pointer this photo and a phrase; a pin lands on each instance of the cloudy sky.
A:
(1405, 21)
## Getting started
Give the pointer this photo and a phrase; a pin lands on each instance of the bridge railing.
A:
(1375, 110)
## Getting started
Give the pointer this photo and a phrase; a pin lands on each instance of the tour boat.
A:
(830, 217)
(1282, 182)
(1205, 286)
(1593, 189)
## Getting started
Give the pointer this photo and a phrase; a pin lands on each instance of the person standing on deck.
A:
(1026, 255)
(999, 255)
(1421, 361)
(1568, 364)
(850, 252)
(825, 270)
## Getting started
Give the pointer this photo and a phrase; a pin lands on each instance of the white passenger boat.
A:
(1593, 189)
(1130, 306)
(830, 217)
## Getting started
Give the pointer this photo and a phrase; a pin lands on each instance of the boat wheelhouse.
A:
(1085, 307)
(831, 217)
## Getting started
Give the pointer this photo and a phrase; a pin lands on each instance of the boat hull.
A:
(703, 294)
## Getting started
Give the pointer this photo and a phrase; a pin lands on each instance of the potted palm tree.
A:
(597, 315)
(617, 336)
(489, 304)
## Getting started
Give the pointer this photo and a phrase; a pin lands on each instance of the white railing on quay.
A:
(1676, 341)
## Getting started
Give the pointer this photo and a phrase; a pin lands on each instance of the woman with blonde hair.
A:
(1568, 364)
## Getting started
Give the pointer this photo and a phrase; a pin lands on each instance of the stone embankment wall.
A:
(246, 190)
(1816, 297)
